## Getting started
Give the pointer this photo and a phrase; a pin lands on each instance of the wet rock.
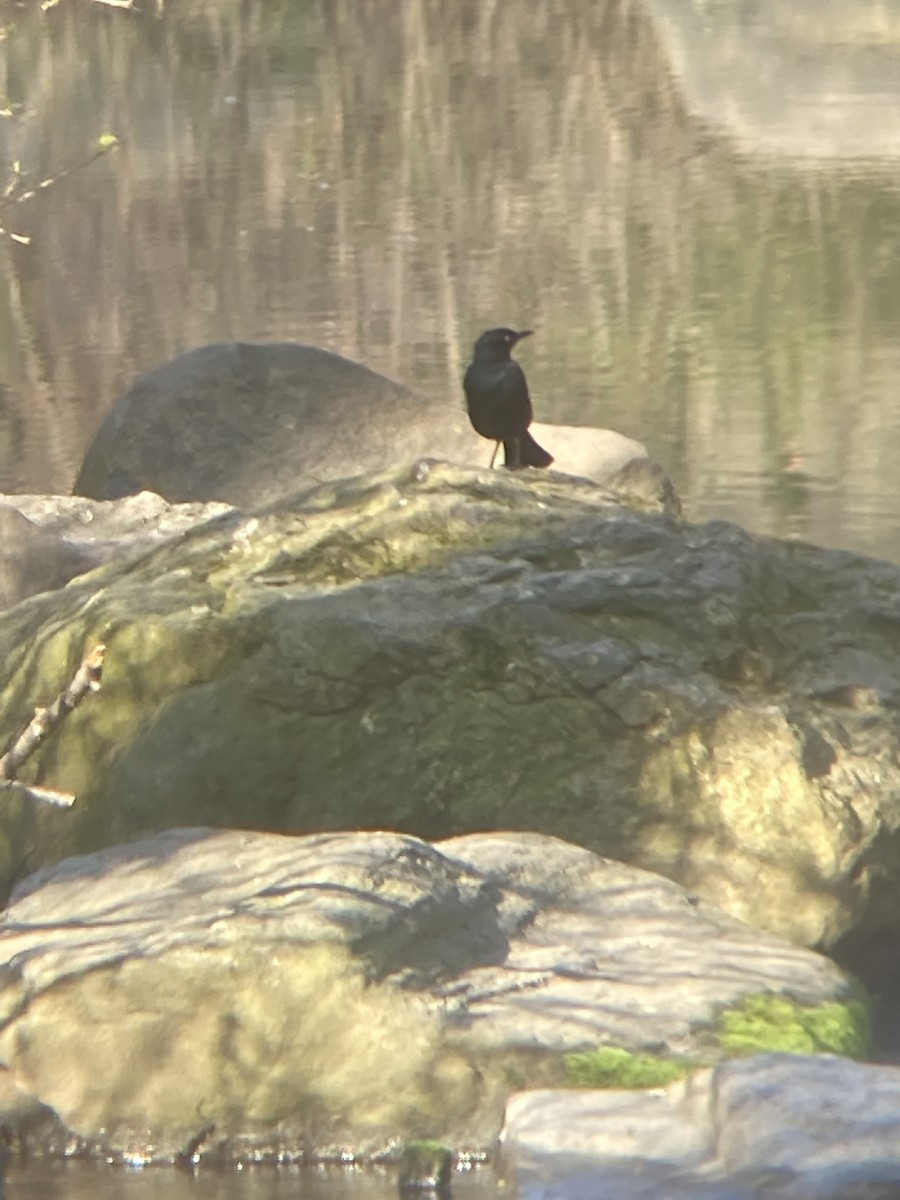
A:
(424, 1166)
(234, 994)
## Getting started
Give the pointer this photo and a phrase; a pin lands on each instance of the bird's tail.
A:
(524, 451)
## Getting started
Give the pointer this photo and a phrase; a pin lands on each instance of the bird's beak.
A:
(525, 333)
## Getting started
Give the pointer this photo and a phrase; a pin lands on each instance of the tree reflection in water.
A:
(387, 180)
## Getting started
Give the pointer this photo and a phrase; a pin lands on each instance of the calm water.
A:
(696, 206)
(78, 1181)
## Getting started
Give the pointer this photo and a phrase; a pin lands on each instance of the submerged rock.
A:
(233, 994)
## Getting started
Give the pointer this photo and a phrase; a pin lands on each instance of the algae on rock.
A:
(760, 1024)
(440, 650)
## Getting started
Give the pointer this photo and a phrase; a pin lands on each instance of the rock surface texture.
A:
(773, 1127)
(47, 540)
(232, 993)
(440, 650)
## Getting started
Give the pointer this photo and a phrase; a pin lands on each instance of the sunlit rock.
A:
(33, 559)
(618, 462)
(772, 1127)
(229, 993)
(442, 650)
(47, 540)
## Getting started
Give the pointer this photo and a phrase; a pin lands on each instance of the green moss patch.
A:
(767, 1023)
(763, 1023)
(424, 1166)
(613, 1067)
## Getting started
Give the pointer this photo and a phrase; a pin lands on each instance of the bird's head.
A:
(498, 343)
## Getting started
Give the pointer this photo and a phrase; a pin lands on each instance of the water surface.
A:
(696, 206)
(692, 204)
(83, 1181)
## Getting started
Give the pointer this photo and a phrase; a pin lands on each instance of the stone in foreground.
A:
(443, 650)
(235, 994)
(773, 1127)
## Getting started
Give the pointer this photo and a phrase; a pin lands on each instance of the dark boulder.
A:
(249, 423)
(246, 423)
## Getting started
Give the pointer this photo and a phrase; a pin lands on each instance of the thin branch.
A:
(16, 191)
(16, 237)
(108, 142)
(85, 680)
(46, 5)
(45, 795)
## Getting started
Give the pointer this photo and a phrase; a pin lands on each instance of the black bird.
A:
(498, 402)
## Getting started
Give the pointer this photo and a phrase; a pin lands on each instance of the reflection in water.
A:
(812, 79)
(82, 1181)
(388, 180)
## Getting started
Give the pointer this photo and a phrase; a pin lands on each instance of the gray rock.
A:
(33, 560)
(246, 993)
(47, 540)
(773, 1127)
(249, 423)
(441, 650)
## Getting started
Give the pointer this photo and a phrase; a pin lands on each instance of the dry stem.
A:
(86, 679)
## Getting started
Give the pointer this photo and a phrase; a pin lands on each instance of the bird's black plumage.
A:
(498, 402)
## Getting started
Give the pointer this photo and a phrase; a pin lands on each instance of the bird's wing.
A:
(497, 399)
(501, 384)
(514, 389)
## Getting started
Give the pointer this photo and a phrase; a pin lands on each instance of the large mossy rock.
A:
(438, 650)
(232, 994)
(247, 423)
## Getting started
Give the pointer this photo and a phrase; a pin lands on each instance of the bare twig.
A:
(86, 679)
(16, 237)
(48, 4)
(16, 190)
(46, 795)
(14, 196)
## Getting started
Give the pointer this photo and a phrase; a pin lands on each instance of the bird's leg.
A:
(517, 455)
(494, 456)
